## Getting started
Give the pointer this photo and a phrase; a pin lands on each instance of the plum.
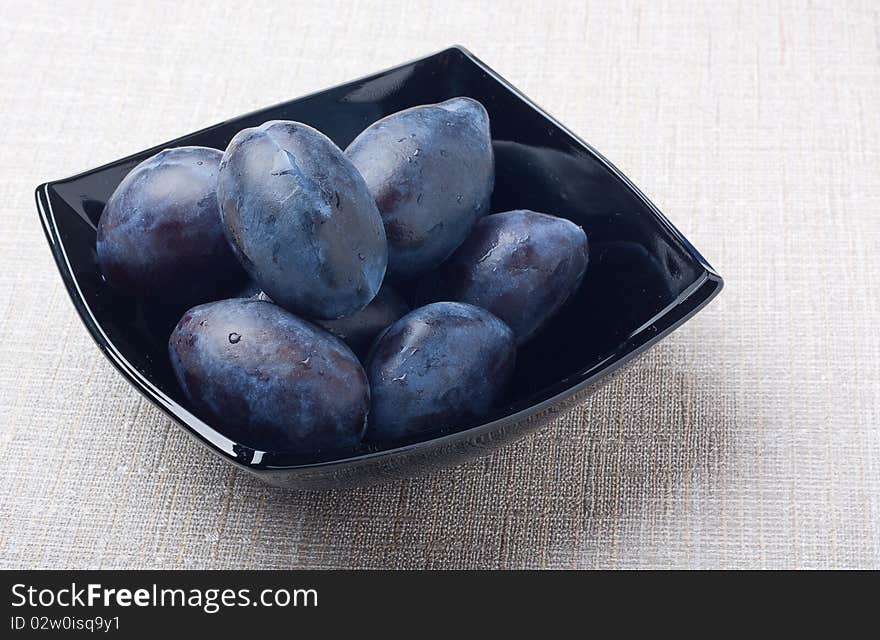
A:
(520, 265)
(441, 365)
(302, 220)
(431, 171)
(359, 330)
(270, 380)
(160, 237)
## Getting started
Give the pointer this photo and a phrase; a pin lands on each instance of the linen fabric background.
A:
(749, 438)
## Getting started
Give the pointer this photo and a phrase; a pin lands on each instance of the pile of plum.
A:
(318, 352)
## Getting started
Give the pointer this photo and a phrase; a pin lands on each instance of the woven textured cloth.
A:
(748, 438)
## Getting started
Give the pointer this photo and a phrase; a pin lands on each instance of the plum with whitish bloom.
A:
(160, 237)
(431, 170)
(442, 365)
(520, 265)
(302, 220)
(271, 380)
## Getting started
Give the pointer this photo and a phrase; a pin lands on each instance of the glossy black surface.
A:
(643, 281)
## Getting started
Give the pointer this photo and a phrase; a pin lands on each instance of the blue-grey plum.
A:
(520, 265)
(302, 220)
(359, 330)
(160, 236)
(270, 380)
(439, 366)
(431, 171)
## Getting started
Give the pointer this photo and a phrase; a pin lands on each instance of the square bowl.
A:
(644, 280)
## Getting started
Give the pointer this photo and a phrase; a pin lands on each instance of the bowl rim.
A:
(686, 305)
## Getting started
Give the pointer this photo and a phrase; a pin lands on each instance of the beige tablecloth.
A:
(749, 438)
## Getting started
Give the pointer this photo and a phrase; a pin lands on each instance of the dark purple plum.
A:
(270, 380)
(160, 237)
(431, 171)
(520, 265)
(439, 366)
(359, 330)
(302, 220)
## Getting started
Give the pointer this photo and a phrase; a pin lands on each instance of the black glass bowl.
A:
(644, 278)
